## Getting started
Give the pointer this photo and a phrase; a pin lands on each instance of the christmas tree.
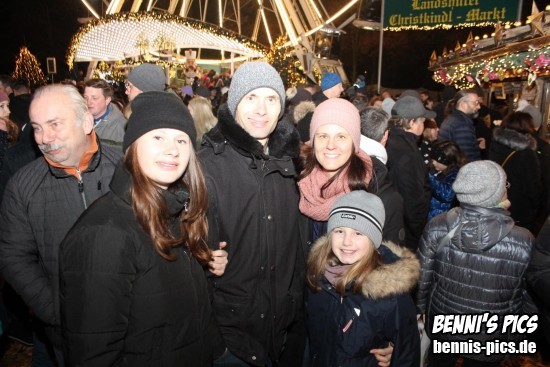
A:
(28, 67)
(283, 59)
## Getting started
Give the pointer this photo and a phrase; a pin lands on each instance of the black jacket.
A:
(522, 171)
(481, 270)
(538, 277)
(409, 175)
(253, 205)
(384, 311)
(381, 186)
(41, 203)
(122, 303)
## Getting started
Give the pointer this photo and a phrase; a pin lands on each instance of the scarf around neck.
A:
(317, 205)
(334, 273)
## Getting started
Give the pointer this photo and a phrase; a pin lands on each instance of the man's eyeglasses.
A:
(475, 102)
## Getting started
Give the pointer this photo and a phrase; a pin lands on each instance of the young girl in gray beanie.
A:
(358, 289)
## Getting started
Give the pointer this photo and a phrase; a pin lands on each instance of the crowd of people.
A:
(234, 222)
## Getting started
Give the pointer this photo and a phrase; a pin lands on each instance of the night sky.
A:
(46, 28)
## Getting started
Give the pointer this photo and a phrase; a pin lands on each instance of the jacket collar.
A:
(283, 142)
(514, 139)
(176, 198)
(395, 277)
(92, 164)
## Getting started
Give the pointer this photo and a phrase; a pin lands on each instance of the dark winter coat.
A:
(460, 128)
(381, 186)
(522, 171)
(383, 312)
(41, 203)
(17, 156)
(409, 175)
(253, 205)
(122, 303)
(482, 269)
(443, 195)
(538, 277)
(543, 154)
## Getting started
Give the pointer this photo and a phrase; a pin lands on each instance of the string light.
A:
(113, 37)
(28, 67)
(287, 64)
(514, 65)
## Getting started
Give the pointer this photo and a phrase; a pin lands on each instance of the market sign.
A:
(429, 14)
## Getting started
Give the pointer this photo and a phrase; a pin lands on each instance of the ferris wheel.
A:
(236, 30)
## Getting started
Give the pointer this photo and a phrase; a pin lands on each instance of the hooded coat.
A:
(253, 205)
(343, 330)
(522, 171)
(481, 270)
(122, 304)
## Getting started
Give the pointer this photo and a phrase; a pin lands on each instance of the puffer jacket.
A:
(253, 205)
(522, 171)
(482, 269)
(383, 312)
(460, 128)
(40, 204)
(443, 195)
(122, 303)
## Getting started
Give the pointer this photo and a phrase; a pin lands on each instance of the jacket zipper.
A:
(81, 188)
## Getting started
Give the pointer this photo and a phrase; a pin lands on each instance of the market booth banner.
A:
(428, 14)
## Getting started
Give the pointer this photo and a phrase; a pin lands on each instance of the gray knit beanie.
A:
(254, 75)
(157, 110)
(480, 183)
(361, 211)
(148, 78)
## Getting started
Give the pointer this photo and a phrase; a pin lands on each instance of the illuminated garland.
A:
(28, 67)
(509, 66)
(162, 17)
(442, 26)
(284, 60)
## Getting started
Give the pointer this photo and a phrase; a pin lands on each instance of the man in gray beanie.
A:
(253, 206)
(473, 260)
(145, 78)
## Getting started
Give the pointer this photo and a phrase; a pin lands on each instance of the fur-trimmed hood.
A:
(514, 139)
(302, 109)
(394, 278)
(284, 141)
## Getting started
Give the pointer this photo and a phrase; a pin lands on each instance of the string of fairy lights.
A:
(27, 67)
(99, 35)
(517, 65)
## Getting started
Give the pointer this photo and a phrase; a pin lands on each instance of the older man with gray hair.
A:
(44, 199)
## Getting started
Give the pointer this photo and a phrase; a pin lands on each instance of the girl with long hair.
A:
(133, 288)
(358, 289)
(334, 164)
(446, 158)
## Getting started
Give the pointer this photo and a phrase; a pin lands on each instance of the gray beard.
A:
(473, 115)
